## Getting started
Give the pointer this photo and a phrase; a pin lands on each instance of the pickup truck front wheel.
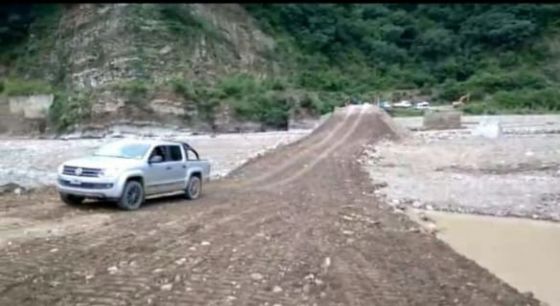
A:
(193, 187)
(71, 199)
(132, 196)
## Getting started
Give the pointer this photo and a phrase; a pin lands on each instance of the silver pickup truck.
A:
(128, 171)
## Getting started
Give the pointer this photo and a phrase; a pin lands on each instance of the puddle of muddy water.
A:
(524, 253)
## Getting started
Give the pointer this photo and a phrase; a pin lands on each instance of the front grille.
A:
(87, 172)
(87, 185)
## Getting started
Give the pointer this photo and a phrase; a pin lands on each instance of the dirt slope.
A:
(298, 226)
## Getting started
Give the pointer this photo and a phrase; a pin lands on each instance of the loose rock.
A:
(112, 270)
(181, 261)
(10, 187)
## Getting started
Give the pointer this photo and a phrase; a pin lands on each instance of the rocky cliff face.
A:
(108, 51)
(97, 45)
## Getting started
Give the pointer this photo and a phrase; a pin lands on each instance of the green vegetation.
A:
(69, 109)
(18, 49)
(251, 99)
(20, 87)
(256, 100)
(135, 90)
(454, 49)
(181, 21)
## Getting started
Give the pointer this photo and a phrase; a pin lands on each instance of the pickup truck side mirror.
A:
(155, 159)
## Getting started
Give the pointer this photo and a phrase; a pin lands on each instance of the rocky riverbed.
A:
(516, 174)
(32, 163)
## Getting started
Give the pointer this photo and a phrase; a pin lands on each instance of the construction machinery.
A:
(462, 101)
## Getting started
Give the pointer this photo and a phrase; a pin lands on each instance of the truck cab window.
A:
(160, 150)
(175, 153)
(191, 155)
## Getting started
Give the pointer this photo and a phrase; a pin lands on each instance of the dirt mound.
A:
(398, 130)
(365, 117)
(362, 123)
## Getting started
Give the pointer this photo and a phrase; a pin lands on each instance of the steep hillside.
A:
(139, 61)
(101, 44)
(221, 66)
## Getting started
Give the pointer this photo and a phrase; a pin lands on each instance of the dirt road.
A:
(298, 226)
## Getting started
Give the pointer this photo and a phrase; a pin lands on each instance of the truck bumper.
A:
(98, 188)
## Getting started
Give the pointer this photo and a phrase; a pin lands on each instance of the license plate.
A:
(75, 182)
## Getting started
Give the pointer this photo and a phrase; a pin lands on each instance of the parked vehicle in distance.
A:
(386, 104)
(127, 171)
(422, 105)
(402, 104)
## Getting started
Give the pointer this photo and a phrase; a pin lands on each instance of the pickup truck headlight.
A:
(60, 168)
(110, 172)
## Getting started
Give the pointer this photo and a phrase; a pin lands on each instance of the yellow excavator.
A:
(462, 101)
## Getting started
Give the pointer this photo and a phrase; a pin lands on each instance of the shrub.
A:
(135, 90)
(308, 101)
(273, 111)
(327, 80)
(183, 88)
(20, 87)
(179, 19)
(451, 91)
(207, 108)
(269, 108)
(238, 85)
(328, 101)
(492, 82)
(277, 84)
(69, 109)
(480, 108)
(541, 99)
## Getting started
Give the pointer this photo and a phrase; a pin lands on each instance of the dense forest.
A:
(503, 55)
(506, 57)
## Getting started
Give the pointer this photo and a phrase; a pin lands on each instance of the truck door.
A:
(156, 173)
(177, 168)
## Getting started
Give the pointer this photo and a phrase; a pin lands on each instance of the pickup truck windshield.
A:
(130, 150)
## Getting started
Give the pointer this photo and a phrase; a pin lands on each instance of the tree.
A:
(498, 30)
(435, 43)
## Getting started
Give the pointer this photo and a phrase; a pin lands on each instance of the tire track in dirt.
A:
(311, 143)
(318, 159)
(315, 141)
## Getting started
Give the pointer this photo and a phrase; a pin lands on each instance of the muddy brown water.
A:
(525, 253)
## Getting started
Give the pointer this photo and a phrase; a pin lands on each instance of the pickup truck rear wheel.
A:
(71, 199)
(132, 196)
(194, 187)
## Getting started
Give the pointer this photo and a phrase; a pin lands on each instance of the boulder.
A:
(488, 129)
